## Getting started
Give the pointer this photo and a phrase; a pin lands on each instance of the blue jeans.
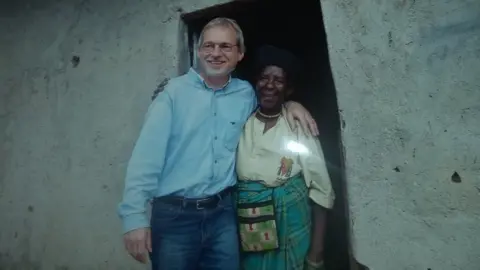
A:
(191, 239)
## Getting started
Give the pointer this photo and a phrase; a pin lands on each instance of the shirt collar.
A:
(195, 75)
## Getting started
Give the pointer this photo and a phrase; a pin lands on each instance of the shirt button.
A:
(215, 162)
(215, 137)
(215, 114)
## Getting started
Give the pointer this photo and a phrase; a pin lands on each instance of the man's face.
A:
(219, 53)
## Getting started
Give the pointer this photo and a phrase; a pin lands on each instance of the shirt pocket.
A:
(232, 130)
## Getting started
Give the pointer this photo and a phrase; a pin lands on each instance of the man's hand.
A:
(138, 243)
(296, 111)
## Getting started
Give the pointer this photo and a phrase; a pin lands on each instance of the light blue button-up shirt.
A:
(187, 145)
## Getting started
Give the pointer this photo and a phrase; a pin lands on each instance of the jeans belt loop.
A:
(184, 203)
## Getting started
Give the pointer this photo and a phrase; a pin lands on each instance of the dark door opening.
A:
(298, 27)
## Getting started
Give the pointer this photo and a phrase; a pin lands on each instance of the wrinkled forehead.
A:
(220, 34)
(273, 70)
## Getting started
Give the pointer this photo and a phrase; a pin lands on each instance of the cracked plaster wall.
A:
(407, 75)
(67, 132)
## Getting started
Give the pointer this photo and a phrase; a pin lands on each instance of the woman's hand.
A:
(315, 253)
(314, 261)
(315, 256)
(296, 111)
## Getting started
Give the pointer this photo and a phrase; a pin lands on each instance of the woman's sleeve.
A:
(314, 170)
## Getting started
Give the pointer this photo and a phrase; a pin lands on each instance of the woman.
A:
(282, 178)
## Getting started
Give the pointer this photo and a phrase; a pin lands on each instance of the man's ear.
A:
(240, 56)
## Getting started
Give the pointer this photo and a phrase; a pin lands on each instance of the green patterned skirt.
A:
(293, 220)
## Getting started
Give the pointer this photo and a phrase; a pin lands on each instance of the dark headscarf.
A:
(268, 55)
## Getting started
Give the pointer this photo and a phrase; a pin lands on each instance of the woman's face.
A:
(271, 87)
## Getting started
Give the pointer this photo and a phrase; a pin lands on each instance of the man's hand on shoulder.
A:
(295, 111)
(138, 243)
(160, 88)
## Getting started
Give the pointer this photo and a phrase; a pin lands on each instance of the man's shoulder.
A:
(241, 88)
(170, 84)
(241, 84)
(176, 82)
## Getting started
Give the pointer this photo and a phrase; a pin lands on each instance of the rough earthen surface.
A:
(408, 87)
(77, 76)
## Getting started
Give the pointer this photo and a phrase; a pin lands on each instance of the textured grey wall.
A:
(407, 75)
(67, 132)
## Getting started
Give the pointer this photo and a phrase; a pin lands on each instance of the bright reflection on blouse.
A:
(297, 147)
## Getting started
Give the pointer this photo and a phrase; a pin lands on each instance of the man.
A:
(184, 161)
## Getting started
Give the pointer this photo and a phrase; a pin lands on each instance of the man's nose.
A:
(216, 51)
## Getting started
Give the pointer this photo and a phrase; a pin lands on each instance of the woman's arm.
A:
(318, 181)
(315, 253)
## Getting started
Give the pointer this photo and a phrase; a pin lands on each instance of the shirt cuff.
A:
(135, 221)
(321, 199)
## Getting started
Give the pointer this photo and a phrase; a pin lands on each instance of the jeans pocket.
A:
(163, 212)
(226, 202)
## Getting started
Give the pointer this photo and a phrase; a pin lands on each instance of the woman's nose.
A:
(270, 84)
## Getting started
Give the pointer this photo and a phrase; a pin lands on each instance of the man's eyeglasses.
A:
(210, 47)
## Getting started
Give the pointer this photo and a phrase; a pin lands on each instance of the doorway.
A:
(298, 27)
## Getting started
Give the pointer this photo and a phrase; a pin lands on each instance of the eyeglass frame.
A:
(226, 49)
